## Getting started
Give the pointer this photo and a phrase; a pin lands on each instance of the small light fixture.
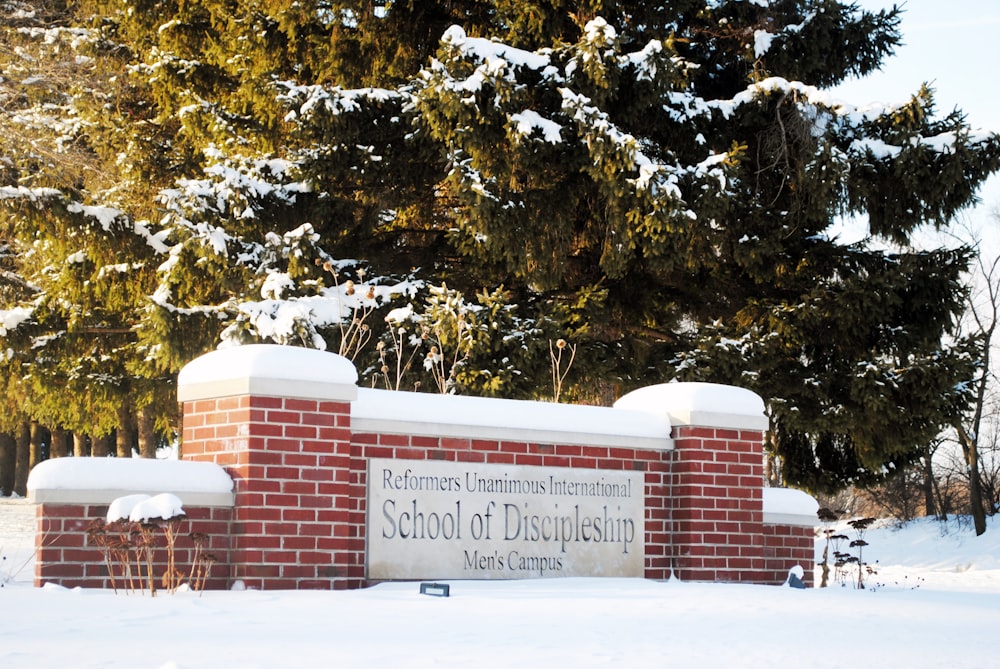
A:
(435, 589)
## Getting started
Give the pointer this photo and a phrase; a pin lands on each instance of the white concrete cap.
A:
(268, 370)
(786, 506)
(402, 412)
(701, 404)
(102, 480)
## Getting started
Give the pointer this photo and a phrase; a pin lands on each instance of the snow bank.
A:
(102, 480)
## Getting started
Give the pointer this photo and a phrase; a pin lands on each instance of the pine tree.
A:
(657, 183)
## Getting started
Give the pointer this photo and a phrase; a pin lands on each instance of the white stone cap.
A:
(402, 412)
(269, 370)
(701, 404)
(73, 480)
(786, 506)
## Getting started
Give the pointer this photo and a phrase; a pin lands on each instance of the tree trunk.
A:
(23, 460)
(928, 486)
(8, 463)
(39, 436)
(59, 443)
(147, 432)
(99, 446)
(125, 441)
(971, 450)
(80, 445)
(976, 491)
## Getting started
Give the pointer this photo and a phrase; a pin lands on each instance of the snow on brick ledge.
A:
(102, 480)
(785, 506)
(268, 370)
(401, 412)
(702, 404)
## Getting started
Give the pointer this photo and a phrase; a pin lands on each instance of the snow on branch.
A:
(106, 217)
(11, 319)
(493, 52)
(29, 194)
(644, 61)
(526, 122)
(298, 319)
(234, 187)
(307, 100)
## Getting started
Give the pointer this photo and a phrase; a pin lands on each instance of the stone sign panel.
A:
(430, 519)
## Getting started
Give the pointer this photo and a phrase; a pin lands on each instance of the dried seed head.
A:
(385, 369)
(380, 346)
(560, 343)
(349, 287)
(327, 266)
(371, 293)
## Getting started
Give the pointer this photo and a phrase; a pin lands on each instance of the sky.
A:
(954, 46)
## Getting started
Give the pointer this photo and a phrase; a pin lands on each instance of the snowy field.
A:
(934, 603)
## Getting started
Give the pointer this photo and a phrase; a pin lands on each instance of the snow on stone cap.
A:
(704, 404)
(102, 480)
(787, 506)
(269, 370)
(516, 420)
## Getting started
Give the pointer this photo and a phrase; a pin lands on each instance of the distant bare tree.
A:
(899, 496)
(981, 322)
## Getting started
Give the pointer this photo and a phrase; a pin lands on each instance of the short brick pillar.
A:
(280, 424)
(72, 493)
(715, 487)
(790, 518)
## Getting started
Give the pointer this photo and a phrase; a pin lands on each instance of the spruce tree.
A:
(657, 183)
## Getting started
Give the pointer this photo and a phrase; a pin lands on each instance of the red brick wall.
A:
(718, 504)
(66, 556)
(300, 518)
(786, 546)
(300, 494)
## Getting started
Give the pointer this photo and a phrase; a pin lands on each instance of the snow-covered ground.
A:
(934, 603)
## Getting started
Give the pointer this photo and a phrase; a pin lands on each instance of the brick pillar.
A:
(718, 504)
(279, 420)
(716, 480)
